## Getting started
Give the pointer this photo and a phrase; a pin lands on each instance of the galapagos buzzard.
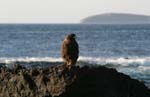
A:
(70, 50)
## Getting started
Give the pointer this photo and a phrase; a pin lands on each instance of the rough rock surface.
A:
(76, 82)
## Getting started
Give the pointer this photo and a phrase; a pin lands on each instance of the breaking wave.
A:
(134, 64)
(125, 62)
(30, 59)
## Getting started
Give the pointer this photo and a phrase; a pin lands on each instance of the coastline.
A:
(78, 82)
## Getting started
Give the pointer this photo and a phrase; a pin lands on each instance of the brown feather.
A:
(69, 50)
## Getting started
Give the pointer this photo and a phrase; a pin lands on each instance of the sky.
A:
(65, 11)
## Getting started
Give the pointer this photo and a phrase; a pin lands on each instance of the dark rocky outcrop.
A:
(62, 82)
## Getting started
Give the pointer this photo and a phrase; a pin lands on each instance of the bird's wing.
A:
(70, 50)
(73, 50)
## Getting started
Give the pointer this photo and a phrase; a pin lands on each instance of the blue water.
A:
(126, 47)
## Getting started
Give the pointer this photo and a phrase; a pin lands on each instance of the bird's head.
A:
(71, 36)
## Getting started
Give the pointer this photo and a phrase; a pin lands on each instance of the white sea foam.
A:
(144, 69)
(30, 59)
(144, 61)
(141, 64)
(115, 61)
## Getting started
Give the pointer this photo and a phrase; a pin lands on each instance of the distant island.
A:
(117, 18)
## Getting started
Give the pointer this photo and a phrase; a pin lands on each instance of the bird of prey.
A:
(70, 50)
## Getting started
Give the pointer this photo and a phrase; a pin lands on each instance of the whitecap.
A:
(30, 59)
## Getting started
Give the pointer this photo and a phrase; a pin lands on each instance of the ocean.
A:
(123, 47)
